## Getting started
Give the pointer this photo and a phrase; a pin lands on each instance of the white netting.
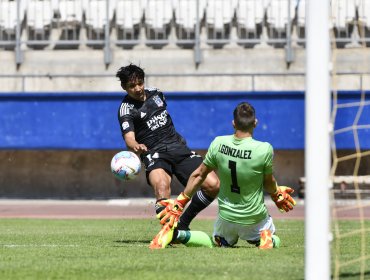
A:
(350, 195)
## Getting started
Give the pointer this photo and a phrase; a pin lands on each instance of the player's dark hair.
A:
(130, 73)
(244, 116)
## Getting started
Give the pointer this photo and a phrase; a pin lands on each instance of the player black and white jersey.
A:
(149, 120)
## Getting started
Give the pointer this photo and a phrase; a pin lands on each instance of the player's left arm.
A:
(281, 195)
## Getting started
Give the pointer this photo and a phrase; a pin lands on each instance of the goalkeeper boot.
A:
(163, 238)
(266, 240)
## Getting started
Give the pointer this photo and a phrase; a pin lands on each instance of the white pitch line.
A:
(38, 245)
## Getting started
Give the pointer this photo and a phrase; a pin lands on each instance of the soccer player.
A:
(245, 169)
(148, 130)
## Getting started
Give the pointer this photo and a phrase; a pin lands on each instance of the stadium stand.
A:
(219, 19)
(363, 9)
(278, 15)
(185, 12)
(249, 22)
(70, 14)
(300, 19)
(39, 23)
(158, 18)
(96, 20)
(129, 15)
(8, 22)
(343, 20)
(70, 24)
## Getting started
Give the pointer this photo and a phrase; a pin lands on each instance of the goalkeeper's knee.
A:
(220, 241)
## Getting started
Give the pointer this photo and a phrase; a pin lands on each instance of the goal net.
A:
(337, 186)
(350, 148)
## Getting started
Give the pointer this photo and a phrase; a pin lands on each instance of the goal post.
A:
(317, 141)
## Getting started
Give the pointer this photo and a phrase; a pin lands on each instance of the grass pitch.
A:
(118, 249)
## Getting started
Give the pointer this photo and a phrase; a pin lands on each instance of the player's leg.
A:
(191, 238)
(225, 234)
(261, 234)
(159, 176)
(160, 180)
(203, 197)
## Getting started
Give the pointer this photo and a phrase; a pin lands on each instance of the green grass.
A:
(118, 249)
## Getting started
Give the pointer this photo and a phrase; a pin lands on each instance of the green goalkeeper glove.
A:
(282, 199)
(170, 215)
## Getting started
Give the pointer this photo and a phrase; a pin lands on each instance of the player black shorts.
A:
(175, 159)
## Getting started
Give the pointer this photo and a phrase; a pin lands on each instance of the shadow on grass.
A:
(129, 241)
(354, 274)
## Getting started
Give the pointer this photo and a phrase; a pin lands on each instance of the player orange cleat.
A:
(266, 240)
(163, 238)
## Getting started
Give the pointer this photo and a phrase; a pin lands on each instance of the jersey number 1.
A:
(234, 181)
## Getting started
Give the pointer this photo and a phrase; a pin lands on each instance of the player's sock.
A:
(199, 201)
(194, 238)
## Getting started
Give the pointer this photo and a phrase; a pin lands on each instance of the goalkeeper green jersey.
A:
(241, 165)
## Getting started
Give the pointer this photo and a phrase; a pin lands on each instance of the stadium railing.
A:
(101, 24)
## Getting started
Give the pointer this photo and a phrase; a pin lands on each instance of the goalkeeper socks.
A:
(199, 201)
(194, 238)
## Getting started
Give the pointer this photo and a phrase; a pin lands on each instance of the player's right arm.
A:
(132, 144)
(279, 194)
(126, 115)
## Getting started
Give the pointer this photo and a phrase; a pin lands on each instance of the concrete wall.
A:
(80, 174)
(173, 69)
(71, 174)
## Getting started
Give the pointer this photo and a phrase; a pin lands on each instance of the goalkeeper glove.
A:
(170, 215)
(282, 199)
(162, 204)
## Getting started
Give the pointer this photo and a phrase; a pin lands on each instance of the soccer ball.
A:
(125, 165)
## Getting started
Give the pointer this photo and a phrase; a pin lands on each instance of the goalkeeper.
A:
(245, 168)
